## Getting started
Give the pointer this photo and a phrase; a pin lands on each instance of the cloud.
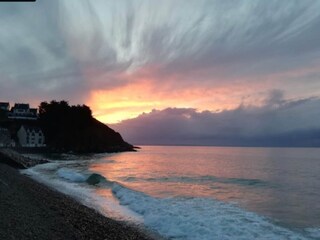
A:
(72, 49)
(278, 122)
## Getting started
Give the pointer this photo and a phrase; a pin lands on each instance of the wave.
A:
(202, 179)
(96, 178)
(200, 218)
(69, 183)
(313, 233)
(174, 218)
(75, 176)
(71, 175)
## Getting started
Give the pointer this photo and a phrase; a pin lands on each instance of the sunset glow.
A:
(127, 59)
(169, 119)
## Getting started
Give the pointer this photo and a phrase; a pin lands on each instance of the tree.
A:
(72, 128)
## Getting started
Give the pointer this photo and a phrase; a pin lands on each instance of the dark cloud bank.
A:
(283, 123)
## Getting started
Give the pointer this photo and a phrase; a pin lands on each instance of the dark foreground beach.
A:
(29, 210)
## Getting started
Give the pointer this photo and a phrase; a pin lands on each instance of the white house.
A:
(5, 106)
(31, 137)
(23, 111)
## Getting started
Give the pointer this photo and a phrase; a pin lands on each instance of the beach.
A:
(30, 210)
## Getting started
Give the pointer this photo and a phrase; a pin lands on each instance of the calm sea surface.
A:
(200, 192)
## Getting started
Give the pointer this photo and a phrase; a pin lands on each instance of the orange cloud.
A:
(145, 89)
(129, 101)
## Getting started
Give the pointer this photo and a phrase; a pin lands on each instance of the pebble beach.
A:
(30, 210)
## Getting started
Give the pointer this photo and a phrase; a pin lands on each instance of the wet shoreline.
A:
(30, 210)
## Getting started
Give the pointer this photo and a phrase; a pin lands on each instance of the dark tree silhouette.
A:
(3, 115)
(72, 128)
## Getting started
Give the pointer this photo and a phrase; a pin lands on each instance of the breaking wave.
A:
(71, 175)
(174, 217)
(200, 218)
(75, 184)
(74, 176)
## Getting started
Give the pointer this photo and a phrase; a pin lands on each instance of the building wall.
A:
(31, 138)
(36, 139)
(5, 107)
(22, 136)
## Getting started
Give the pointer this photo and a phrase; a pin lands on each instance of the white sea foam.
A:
(200, 218)
(71, 175)
(48, 166)
(82, 192)
(313, 232)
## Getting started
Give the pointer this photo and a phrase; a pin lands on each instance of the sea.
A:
(192, 192)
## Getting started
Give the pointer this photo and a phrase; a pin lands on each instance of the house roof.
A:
(31, 128)
(33, 110)
(4, 104)
(21, 106)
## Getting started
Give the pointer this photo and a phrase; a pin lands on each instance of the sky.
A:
(222, 72)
